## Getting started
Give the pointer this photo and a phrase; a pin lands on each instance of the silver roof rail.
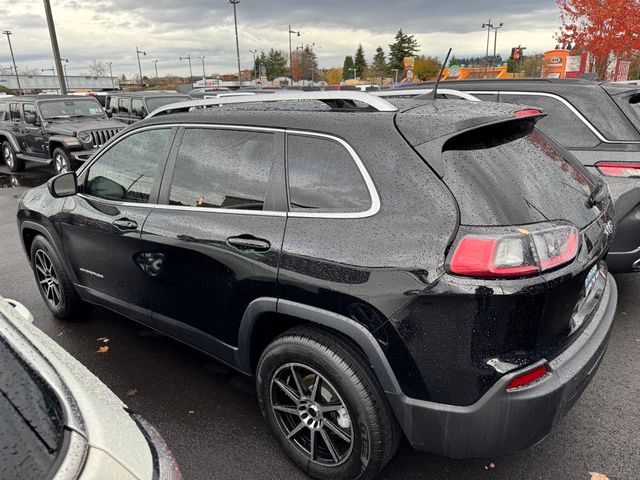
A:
(374, 102)
(414, 92)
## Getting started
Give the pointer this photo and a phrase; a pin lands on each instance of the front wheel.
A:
(61, 161)
(325, 407)
(10, 158)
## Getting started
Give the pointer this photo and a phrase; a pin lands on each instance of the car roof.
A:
(39, 98)
(148, 94)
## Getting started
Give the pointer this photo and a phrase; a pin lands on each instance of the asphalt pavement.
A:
(211, 421)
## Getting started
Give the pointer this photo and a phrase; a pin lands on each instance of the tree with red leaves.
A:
(605, 28)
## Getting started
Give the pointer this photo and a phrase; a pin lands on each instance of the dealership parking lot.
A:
(210, 418)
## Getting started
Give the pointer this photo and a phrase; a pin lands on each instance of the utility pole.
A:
(488, 26)
(54, 46)
(188, 57)
(113, 87)
(495, 43)
(291, 53)
(15, 69)
(396, 72)
(138, 52)
(255, 75)
(155, 65)
(235, 21)
(204, 74)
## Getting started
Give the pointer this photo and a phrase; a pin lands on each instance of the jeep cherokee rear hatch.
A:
(534, 225)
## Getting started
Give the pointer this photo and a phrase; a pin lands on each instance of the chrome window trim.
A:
(562, 100)
(373, 193)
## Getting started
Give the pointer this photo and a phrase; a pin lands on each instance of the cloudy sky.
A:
(110, 30)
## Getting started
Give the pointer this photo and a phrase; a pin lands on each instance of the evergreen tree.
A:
(276, 64)
(359, 62)
(404, 46)
(454, 61)
(347, 68)
(379, 65)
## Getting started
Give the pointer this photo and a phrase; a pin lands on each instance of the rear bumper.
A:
(502, 421)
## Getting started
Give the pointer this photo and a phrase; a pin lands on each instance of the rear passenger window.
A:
(324, 177)
(560, 123)
(4, 112)
(223, 169)
(124, 106)
(15, 112)
(127, 171)
(137, 107)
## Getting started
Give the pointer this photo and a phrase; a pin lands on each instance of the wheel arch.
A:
(7, 136)
(287, 314)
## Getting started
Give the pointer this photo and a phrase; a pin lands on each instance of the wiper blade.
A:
(599, 194)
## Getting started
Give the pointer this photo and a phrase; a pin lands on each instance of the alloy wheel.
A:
(61, 164)
(48, 278)
(7, 153)
(311, 414)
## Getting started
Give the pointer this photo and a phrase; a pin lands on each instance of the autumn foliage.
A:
(602, 27)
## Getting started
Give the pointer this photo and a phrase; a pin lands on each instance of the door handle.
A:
(249, 243)
(124, 224)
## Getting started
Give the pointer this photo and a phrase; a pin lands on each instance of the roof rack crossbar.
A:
(374, 102)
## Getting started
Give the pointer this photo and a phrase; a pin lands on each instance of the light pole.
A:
(15, 69)
(138, 52)
(235, 21)
(113, 87)
(54, 46)
(254, 52)
(495, 43)
(354, 72)
(52, 70)
(313, 62)
(188, 57)
(291, 53)
(204, 74)
(395, 70)
(155, 65)
(488, 26)
(65, 60)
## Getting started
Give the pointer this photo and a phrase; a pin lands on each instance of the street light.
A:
(354, 72)
(495, 42)
(113, 87)
(155, 65)
(204, 74)
(54, 46)
(188, 57)
(15, 69)
(488, 26)
(290, 53)
(65, 60)
(138, 52)
(396, 70)
(254, 52)
(235, 21)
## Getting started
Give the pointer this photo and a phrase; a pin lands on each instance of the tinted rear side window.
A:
(324, 177)
(127, 171)
(4, 112)
(16, 115)
(223, 169)
(560, 123)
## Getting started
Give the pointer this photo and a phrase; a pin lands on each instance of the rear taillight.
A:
(510, 252)
(619, 169)
(530, 112)
(527, 378)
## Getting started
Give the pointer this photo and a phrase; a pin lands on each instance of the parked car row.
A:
(380, 266)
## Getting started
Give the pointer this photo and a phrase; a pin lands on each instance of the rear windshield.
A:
(31, 421)
(157, 102)
(512, 174)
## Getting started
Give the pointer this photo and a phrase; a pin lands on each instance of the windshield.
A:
(66, 108)
(154, 103)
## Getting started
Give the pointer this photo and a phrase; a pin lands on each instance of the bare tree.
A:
(28, 71)
(98, 69)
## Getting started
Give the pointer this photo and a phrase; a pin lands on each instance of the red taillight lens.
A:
(619, 169)
(513, 252)
(529, 377)
(528, 113)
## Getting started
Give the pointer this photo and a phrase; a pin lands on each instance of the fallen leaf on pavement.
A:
(102, 339)
(60, 334)
(131, 392)
(598, 476)
(103, 349)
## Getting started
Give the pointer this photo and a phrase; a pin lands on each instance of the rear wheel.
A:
(325, 407)
(10, 158)
(61, 161)
(56, 288)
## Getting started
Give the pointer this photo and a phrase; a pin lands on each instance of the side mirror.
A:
(63, 185)
(31, 118)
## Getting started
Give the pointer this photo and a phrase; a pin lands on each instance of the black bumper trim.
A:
(502, 421)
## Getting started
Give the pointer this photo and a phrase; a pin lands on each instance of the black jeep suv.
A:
(130, 107)
(600, 124)
(431, 268)
(60, 130)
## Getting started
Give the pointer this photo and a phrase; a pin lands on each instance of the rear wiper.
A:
(598, 195)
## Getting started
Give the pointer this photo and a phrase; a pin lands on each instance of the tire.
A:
(10, 158)
(61, 161)
(56, 288)
(348, 408)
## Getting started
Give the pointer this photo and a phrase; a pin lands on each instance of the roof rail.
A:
(343, 97)
(422, 91)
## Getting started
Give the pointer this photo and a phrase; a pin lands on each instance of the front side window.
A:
(137, 107)
(124, 106)
(560, 123)
(4, 112)
(127, 171)
(323, 177)
(223, 169)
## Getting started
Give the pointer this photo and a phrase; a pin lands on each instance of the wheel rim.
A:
(61, 164)
(311, 414)
(48, 278)
(8, 156)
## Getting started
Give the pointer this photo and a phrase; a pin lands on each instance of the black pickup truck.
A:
(57, 130)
